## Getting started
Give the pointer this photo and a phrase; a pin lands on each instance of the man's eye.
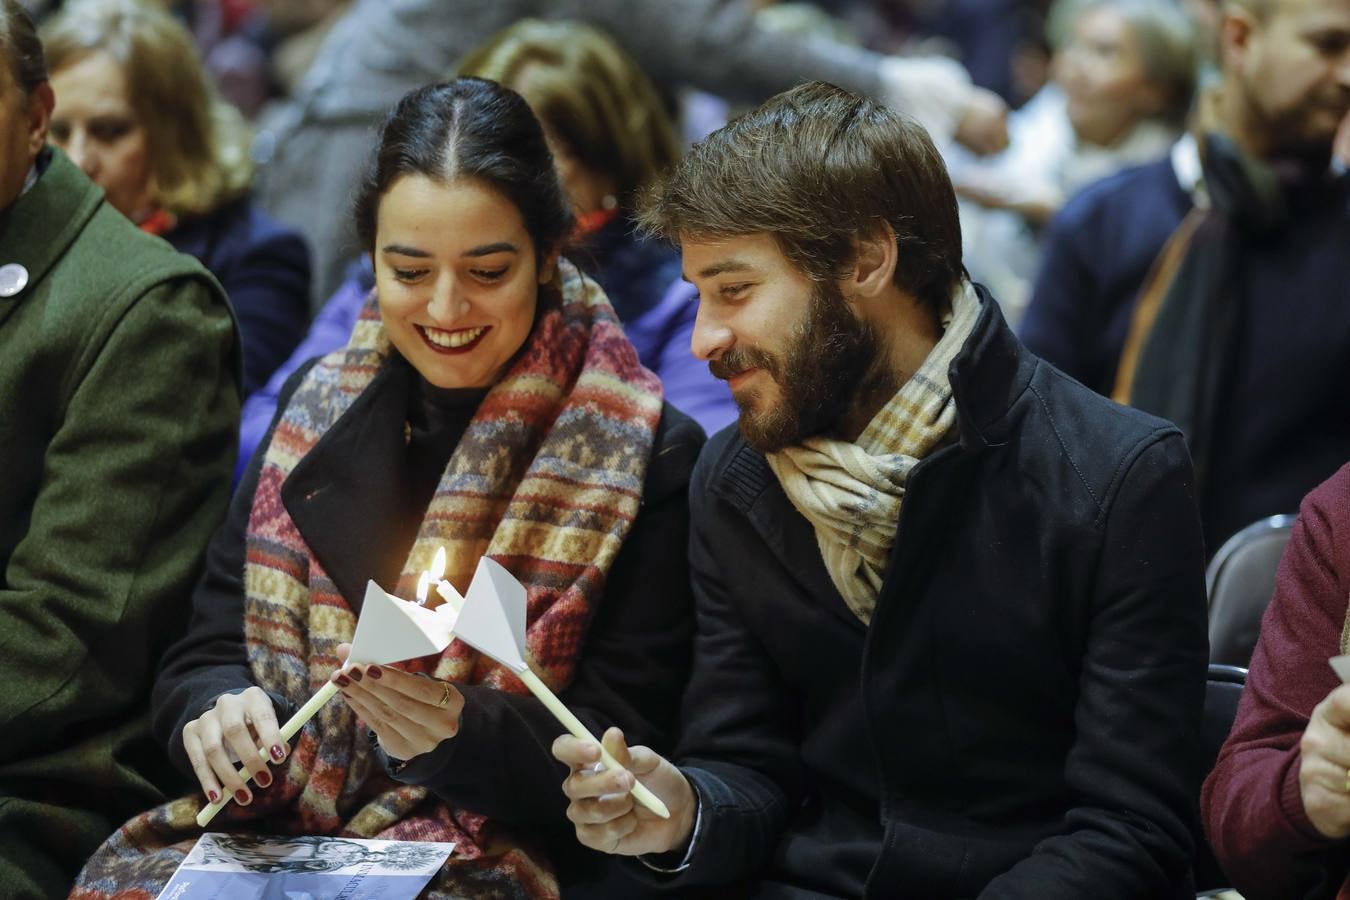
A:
(734, 290)
(488, 274)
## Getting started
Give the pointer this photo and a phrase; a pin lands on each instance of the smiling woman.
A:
(457, 302)
(488, 403)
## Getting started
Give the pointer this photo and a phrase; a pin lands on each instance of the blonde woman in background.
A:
(136, 111)
(1124, 73)
(611, 136)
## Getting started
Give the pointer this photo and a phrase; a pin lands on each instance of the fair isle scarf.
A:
(851, 492)
(547, 480)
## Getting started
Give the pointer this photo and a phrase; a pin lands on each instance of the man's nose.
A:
(710, 338)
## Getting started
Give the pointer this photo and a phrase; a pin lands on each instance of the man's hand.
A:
(936, 92)
(604, 813)
(1324, 774)
(983, 126)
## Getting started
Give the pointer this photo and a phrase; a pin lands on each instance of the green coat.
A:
(119, 403)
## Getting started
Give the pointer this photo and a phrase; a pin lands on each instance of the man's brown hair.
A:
(817, 167)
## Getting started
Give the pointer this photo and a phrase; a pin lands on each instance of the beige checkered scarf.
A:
(851, 492)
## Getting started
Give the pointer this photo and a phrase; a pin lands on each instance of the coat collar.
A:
(990, 372)
(39, 227)
(344, 497)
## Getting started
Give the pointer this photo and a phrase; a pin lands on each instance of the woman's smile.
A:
(460, 340)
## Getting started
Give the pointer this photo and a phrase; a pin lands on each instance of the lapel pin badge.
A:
(13, 278)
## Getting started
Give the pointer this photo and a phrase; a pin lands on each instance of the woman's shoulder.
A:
(674, 452)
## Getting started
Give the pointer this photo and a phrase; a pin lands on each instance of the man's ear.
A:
(41, 102)
(1235, 35)
(874, 263)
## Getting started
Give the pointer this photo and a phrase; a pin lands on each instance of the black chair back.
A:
(1240, 580)
(1223, 689)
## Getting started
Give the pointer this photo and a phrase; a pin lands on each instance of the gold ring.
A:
(445, 700)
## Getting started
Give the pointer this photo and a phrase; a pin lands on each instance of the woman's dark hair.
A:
(469, 128)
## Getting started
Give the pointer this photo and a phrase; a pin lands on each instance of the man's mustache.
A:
(741, 359)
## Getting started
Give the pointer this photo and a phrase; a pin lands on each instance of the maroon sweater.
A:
(1251, 804)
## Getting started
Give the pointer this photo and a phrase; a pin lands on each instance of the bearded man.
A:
(951, 613)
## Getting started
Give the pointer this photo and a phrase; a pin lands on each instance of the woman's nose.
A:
(448, 300)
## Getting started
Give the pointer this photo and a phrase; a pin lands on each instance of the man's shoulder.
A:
(675, 451)
(1138, 189)
(125, 256)
(1090, 439)
(112, 276)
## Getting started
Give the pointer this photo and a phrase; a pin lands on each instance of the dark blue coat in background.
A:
(1021, 717)
(264, 268)
(1097, 254)
(1282, 421)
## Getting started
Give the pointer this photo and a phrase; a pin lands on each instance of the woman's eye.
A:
(488, 274)
(109, 131)
(409, 274)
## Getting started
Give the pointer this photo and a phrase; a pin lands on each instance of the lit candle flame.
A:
(433, 576)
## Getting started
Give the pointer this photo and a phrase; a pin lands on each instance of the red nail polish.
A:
(212, 796)
(356, 674)
(263, 779)
(373, 671)
(242, 797)
(278, 752)
(342, 681)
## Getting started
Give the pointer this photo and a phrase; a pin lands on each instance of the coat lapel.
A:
(38, 228)
(750, 484)
(345, 496)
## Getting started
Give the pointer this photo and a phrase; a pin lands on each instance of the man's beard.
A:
(1291, 131)
(831, 361)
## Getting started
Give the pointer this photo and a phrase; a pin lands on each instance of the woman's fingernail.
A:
(263, 778)
(345, 694)
(278, 752)
(373, 671)
(342, 681)
(356, 675)
(242, 797)
(213, 796)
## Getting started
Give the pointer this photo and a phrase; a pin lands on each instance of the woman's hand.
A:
(234, 730)
(410, 714)
(1324, 772)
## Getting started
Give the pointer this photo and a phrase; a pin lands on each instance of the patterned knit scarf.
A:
(851, 493)
(547, 480)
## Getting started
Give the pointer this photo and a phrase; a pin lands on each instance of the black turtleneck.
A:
(437, 419)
